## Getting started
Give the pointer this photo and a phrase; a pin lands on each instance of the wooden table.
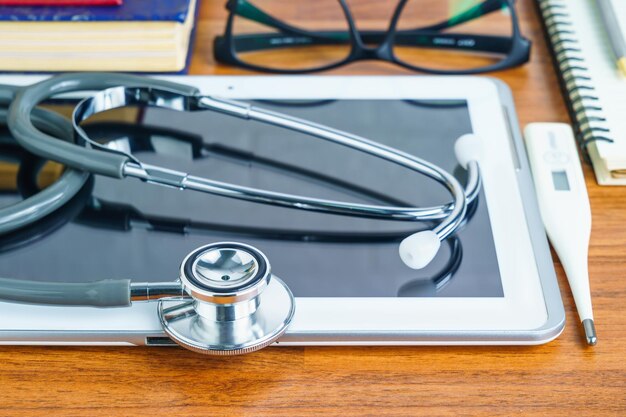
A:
(564, 377)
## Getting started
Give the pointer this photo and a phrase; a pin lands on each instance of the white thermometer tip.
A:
(417, 250)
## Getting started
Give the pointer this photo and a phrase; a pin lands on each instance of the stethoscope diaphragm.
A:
(237, 306)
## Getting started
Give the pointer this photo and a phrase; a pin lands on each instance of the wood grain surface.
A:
(564, 377)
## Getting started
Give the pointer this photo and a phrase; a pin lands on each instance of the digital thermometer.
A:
(564, 207)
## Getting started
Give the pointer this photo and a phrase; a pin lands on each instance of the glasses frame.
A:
(516, 47)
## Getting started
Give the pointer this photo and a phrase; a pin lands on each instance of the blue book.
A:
(130, 10)
(75, 38)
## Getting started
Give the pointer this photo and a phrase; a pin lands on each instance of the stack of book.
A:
(130, 35)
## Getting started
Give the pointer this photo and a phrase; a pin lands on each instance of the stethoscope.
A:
(226, 300)
(218, 262)
(88, 210)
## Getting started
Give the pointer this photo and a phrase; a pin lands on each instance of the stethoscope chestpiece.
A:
(236, 305)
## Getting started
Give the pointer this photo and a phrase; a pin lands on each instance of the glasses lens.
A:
(453, 35)
(290, 35)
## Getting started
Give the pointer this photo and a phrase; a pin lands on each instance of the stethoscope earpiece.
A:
(235, 304)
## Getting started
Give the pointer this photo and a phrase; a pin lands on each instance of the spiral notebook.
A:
(592, 83)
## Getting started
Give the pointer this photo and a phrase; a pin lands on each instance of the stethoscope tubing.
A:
(125, 217)
(55, 196)
(76, 156)
(121, 90)
(443, 229)
(185, 97)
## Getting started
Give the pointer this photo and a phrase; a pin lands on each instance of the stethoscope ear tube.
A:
(70, 154)
(120, 90)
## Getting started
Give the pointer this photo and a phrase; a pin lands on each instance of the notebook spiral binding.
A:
(575, 78)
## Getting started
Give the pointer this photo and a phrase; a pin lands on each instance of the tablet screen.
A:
(129, 229)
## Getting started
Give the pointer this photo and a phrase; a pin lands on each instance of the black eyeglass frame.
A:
(516, 47)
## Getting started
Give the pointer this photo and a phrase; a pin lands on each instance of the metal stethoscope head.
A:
(237, 306)
(226, 302)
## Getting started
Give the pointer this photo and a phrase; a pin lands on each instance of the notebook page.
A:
(609, 83)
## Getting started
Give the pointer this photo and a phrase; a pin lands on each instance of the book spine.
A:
(575, 79)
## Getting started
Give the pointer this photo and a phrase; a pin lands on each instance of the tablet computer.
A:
(493, 283)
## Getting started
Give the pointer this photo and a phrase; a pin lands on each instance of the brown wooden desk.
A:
(564, 377)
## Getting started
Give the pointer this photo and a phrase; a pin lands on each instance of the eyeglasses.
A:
(432, 36)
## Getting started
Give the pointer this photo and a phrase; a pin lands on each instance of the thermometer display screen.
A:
(560, 181)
